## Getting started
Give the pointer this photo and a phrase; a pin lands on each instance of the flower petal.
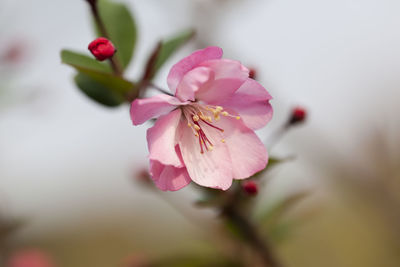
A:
(210, 169)
(251, 102)
(182, 67)
(148, 108)
(247, 152)
(226, 68)
(229, 75)
(161, 139)
(168, 178)
(192, 81)
(216, 91)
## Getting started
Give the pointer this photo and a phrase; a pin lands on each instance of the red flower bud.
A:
(250, 187)
(102, 48)
(143, 177)
(298, 115)
(252, 73)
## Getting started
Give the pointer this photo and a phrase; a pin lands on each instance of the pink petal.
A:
(212, 168)
(229, 75)
(161, 139)
(247, 152)
(148, 108)
(251, 102)
(218, 90)
(192, 81)
(226, 68)
(168, 178)
(182, 67)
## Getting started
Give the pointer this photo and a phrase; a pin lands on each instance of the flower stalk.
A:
(115, 64)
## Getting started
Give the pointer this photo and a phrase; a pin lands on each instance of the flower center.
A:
(199, 117)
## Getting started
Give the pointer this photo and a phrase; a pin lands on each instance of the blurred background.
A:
(68, 165)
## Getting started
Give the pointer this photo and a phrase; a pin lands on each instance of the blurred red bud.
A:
(250, 187)
(143, 177)
(298, 115)
(252, 73)
(30, 258)
(102, 48)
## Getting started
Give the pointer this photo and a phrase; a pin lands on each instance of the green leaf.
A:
(277, 226)
(163, 51)
(281, 207)
(272, 162)
(98, 91)
(99, 73)
(120, 27)
(82, 61)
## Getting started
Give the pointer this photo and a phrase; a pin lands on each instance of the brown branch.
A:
(249, 231)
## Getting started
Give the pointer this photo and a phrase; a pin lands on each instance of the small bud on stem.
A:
(298, 115)
(250, 187)
(115, 64)
(102, 48)
(252, 73)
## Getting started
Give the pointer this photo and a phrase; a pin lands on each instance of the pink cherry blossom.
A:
(205, 132)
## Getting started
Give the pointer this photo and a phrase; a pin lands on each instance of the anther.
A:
(196, 127)
(238, 117)
(224, 113)
(196, 118)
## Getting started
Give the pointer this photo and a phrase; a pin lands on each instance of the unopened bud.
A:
(143, 177)
(252, 73)
(298, 115)
(14, 53)
(250, 187)
(102, 48)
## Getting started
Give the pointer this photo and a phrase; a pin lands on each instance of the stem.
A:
(115, 64)
(277, 135)
(249, 231)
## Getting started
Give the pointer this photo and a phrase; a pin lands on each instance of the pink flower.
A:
(205, 133)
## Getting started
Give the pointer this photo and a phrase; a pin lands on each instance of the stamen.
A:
(219, 129)
(201, 145)
(195, 112)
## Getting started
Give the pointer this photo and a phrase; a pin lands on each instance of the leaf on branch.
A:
(98, 91)
(112, 90)
(82, 61)
(281, 207)
(272, 219)
(272, 162)
(121, 28)
(163, 51)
